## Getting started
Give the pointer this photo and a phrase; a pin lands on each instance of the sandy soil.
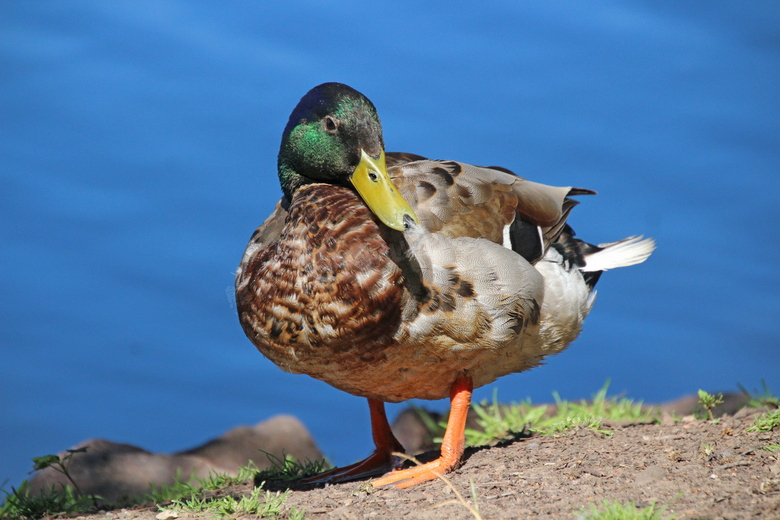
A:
(697, 469)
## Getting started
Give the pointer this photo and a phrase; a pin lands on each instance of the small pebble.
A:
(651, 474)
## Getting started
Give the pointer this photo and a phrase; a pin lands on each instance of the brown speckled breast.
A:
(324, 298)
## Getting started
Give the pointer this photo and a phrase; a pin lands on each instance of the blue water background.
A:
(138, 147)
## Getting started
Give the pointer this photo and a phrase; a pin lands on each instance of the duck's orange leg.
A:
(380, 461)
(451, 447)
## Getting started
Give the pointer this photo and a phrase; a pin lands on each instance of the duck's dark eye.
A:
(330, 124)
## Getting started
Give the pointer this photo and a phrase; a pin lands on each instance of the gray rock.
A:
(412, 432)
(118, 472)
(279, 435)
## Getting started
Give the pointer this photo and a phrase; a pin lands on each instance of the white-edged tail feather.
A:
(629, 251)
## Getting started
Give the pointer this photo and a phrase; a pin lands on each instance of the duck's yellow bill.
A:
(372, 182)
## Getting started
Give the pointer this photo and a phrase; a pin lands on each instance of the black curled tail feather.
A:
(574, 251)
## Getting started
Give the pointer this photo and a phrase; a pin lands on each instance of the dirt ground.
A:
(696, 469)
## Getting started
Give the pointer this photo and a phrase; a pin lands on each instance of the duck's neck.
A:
(289, 179)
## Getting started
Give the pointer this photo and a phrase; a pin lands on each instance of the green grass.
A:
(760, 399)
(288, 469)
(193, 486)
(68, 499)
(614, 510)
(708, 402)
(19, 503)
(213, 496)
(162, 494)
(500, 423)
(766, 422)
(260, 503)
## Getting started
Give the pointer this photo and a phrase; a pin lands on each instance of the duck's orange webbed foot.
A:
(380, 461)
(451, 447)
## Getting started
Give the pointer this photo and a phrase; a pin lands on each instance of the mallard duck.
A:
(391, 276)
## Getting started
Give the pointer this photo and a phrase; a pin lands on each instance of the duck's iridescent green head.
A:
(334, 136)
